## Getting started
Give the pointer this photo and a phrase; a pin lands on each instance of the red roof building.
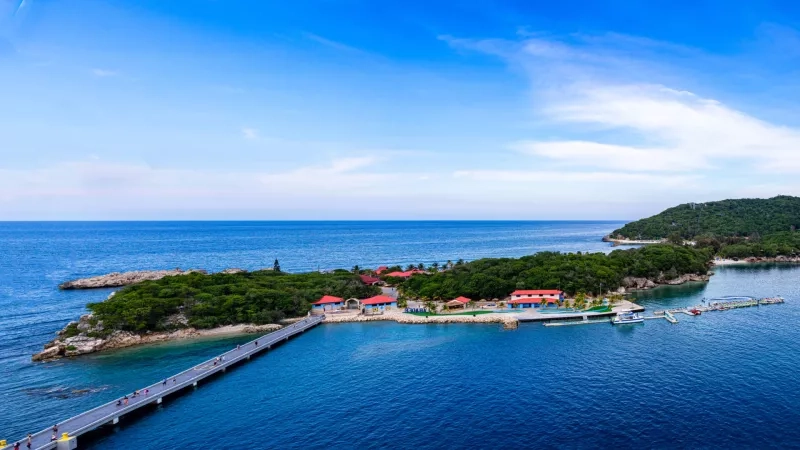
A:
(328, 299)
(378, 300)
(464, 300)
(533, 300)
(366, 279)
(381, 269)
(536, 292)
(405, 274)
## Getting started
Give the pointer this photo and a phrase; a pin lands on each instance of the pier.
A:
(110, 413)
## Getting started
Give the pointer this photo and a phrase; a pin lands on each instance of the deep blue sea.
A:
(720, 380)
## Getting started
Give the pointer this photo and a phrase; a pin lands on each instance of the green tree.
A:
(421, 266)
(276, 266)
(434, 267)
(356, 269)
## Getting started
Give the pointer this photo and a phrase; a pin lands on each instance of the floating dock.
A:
(110, 413)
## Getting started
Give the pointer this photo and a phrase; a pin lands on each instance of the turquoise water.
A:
(721, 380)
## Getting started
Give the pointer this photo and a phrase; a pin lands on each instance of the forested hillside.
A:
(570, 272)
(726, 218)
(208, 301)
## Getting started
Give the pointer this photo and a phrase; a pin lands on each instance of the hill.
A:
(727, 218)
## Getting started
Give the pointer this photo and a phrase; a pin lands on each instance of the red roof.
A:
(537, 292)
(378, 299)
(533, 300)
(366, 279)
(398, 274)
(462, 299)
(328, 299)
(381, 269)
(405, 274)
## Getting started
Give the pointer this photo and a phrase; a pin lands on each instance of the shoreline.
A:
(82, 344)
(756, 260)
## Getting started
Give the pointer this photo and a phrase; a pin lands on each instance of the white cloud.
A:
(102, 73)
(249, 133)
(588, 86)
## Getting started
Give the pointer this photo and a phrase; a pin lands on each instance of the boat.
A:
(625, 317)
(694, 312)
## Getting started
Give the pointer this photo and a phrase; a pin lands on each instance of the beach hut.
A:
(327, 303)
(460, 302)
(378, 304)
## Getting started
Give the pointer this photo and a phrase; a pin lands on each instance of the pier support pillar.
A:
(224, 369)
(158, 402)
(194, 384)
(248, 356)
(115, 421)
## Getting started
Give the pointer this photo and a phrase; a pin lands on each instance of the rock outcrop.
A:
(87, 336)
(117, 279)
(637, 283)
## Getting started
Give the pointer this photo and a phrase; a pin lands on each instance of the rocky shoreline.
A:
(640, 284)
(86, 336)
(119, 279)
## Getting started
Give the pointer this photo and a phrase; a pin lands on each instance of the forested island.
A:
(737, 228)
(692, 234)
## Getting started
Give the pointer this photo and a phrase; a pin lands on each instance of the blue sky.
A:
(122, 109)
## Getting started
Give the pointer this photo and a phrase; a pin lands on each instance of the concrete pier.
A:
(87, 421)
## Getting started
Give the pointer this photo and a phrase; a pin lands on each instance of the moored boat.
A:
(626, 317)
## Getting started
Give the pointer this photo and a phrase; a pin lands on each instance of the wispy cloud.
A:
(102, 73)
(586, 86)
(332, 44)
(249, 133)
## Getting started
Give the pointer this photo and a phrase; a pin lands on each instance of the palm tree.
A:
(421, 266)
(543, 303)
(460, 262)
(356, 269)
(410, 267)
(435, 267)
(449, 264)
(471, 304)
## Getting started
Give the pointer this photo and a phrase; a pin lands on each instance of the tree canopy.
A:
(725, 218)
(213, 300)
(571, 272)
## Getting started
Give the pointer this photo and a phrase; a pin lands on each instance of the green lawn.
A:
(467, 313)
(601, 308)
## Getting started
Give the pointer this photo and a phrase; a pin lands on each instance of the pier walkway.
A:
(110, 412)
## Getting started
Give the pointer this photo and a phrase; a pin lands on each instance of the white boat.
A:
(624, 317)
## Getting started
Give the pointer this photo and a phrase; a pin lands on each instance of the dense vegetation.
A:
(732, 228)
(572, 272)
(726, 218)
(209, 301)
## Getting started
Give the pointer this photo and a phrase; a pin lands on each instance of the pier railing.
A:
(110, 412)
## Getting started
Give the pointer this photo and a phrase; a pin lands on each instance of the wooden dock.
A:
(110, 413)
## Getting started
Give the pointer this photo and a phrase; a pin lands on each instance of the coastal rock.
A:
(48, 353)
(117, 279)
(638, 283)
(80, 345)
(233, 270)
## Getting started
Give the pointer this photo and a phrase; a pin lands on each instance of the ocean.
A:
(721, 380)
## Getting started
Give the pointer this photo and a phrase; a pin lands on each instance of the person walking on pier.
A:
(256, 343)
(164, 383)
(146, 392)
(119, 402)
(238, 347)
(125, 400)
(30, 441)
(16, 445)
